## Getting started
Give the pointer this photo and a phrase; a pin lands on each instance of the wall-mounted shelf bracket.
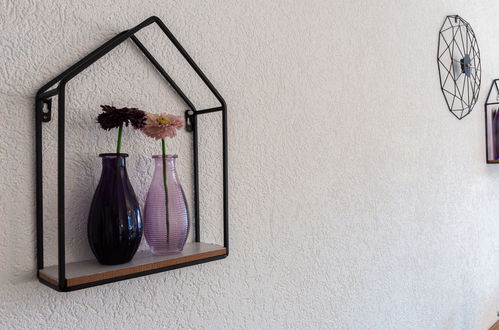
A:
(47, 110)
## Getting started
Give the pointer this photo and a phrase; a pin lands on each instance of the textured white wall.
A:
(357, 201)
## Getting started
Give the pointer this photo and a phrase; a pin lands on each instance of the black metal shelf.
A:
(62, 277)
(88, 273)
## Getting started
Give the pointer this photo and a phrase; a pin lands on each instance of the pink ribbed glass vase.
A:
(166, 224)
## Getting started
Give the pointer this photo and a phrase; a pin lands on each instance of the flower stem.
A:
(163, 149)
(120, 133)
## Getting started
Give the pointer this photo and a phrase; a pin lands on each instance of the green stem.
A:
(163, 149)
(120, 133)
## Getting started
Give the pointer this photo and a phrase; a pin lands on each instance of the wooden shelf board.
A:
(492, 161)
(85, 272)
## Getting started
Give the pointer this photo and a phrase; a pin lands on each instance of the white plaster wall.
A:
(356, 199)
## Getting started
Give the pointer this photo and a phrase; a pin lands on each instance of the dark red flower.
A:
(111, 117)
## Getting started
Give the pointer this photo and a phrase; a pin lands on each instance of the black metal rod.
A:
(95, 55)
(162, 72)
(224, 128)
(60, 188)
(87, 61)
(179, 91)
(74, 66)
(195, 160)
(39, 183)
(50, 285)
(225, 177)
(189, 59)
(216, 109)
(184, 97)
(486, 134)
(48, 94)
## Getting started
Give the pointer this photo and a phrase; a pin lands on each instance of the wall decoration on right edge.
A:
(492, 123)
(459, 65)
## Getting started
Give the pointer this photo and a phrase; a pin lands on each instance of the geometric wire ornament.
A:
(458, 65)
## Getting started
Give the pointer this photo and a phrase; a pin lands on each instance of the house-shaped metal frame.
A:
(43, 107)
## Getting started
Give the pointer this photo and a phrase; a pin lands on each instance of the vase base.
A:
(164, 252)
(111, 263)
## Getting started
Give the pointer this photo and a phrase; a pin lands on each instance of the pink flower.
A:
(162, 125)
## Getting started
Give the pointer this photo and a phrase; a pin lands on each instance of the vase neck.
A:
(112, 162)
(169, 161)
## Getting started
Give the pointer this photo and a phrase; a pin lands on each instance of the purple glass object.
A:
(114, 223)
(495, 132)
(166, 229)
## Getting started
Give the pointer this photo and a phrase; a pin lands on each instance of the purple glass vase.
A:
(166, 220)
(114, 222)
(495, 134)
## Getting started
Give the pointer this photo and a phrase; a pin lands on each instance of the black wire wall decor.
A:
(459, 65)
(79, 275)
